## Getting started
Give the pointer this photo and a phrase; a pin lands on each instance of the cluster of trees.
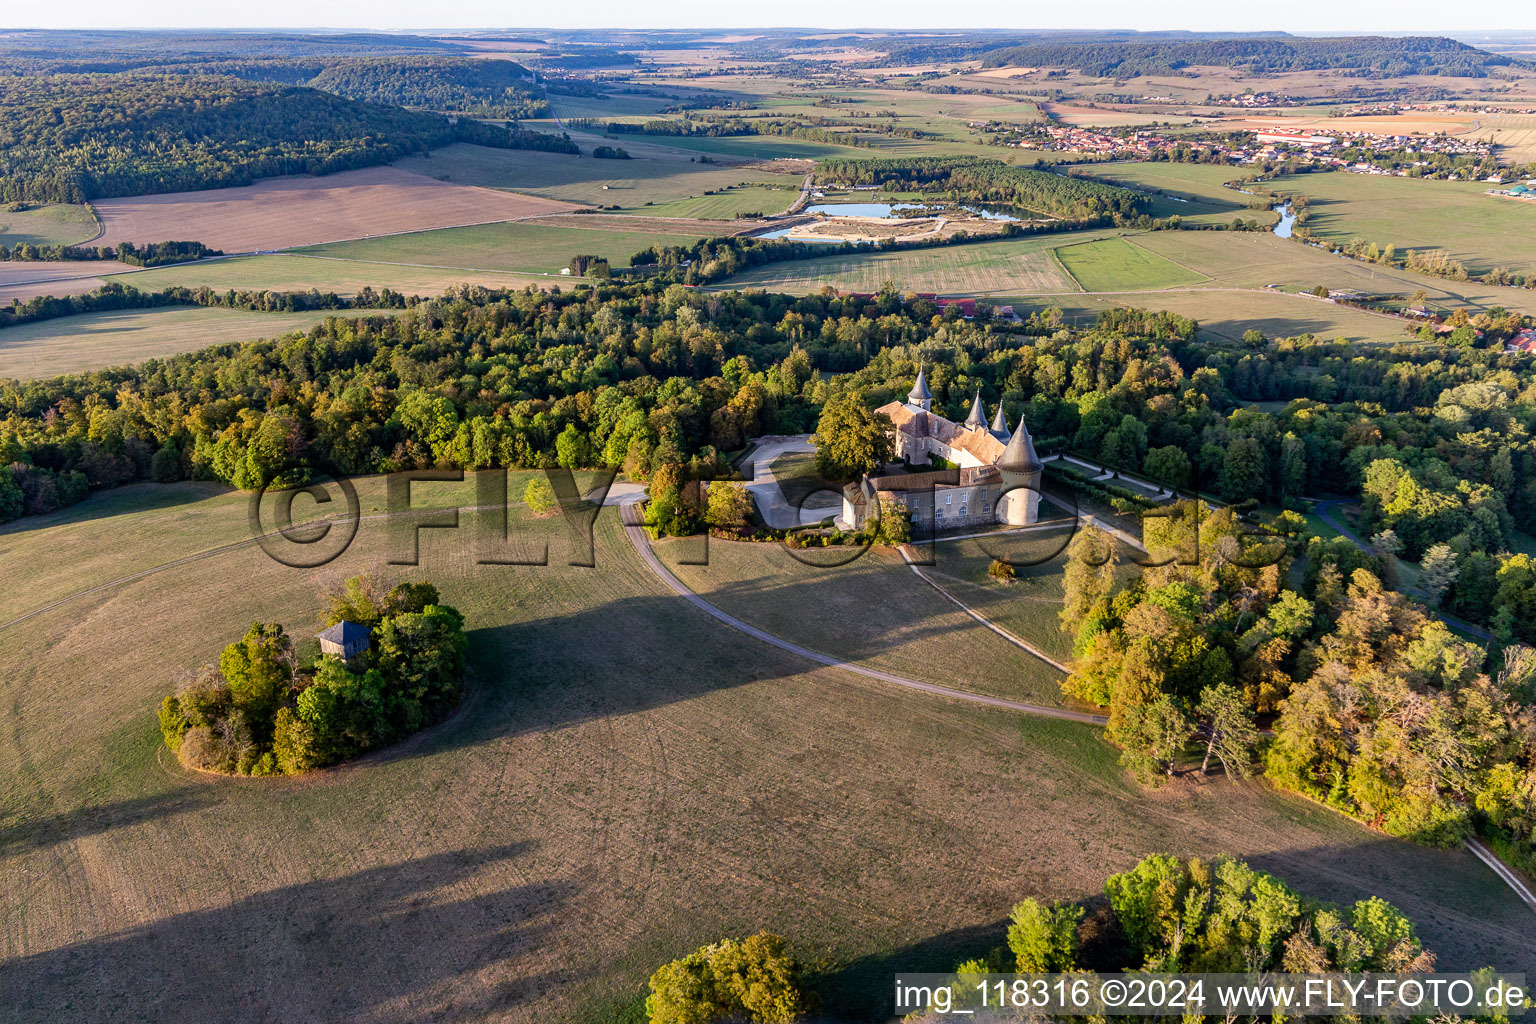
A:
(980, 179)
(1172, 916)
(259, 712)
(1362, 56)
(1379, 710)
(610, 153)
(642, 377)
(152, 254)
(71, 138)
(756, 980)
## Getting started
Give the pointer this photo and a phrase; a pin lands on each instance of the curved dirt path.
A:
(642, 545)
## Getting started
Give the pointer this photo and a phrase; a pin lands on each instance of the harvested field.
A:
(534, 246)
(285, 272)
(630, 779)
(283, 212)
(27, 280)
(1012, 266)
(122, 337)
(654, 174)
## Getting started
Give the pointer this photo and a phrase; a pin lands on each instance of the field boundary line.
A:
(1056, 259)
(1021, 644)
(1130, 240)
(1504, 871)
(643, 547)
(425, 266)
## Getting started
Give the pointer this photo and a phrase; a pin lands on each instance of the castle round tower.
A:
(1021, 469)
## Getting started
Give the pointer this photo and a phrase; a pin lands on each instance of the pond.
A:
(985, 212)
(894, 210)
(1287, 218)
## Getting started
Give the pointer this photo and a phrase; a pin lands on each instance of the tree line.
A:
(1165, 915)
(980, 179)
(151, 254)
(72, 138)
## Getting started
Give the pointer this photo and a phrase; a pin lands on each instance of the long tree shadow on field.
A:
(364, 946)
(640, 653)
(130, 499)
(21, 832)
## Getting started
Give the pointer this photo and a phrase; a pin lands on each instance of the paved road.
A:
(1324, 510)
(642, 545)
(764, 487)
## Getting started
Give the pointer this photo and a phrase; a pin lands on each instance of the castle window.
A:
(948, 498)
(962, 510)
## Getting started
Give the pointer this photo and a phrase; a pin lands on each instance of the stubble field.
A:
(286, 272)
(278, 213)
(25, 280)
(1011, 266)
(92, 341)
(628, 779)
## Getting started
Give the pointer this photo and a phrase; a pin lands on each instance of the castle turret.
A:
(977, 420)
(1021, 468)
(920, 396)
(1000, 425)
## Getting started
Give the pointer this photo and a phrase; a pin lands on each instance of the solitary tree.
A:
(1151, 737)
(1043, 938)
(729, 506)
(851, 440)
(539, 496)
(1230, 733)
(1439, 571)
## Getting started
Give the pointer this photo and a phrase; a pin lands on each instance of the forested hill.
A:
(1364, 56)
(59, 50)
(484, 88)
(69, 138)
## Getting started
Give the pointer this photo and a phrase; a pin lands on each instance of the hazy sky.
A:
(1310, 16)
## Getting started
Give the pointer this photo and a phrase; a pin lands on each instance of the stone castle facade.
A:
(994, 475)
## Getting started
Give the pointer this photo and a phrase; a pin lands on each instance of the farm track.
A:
(636, 533)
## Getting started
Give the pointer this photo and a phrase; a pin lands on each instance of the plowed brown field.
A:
(284, 212)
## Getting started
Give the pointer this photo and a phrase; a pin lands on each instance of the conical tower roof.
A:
(977, 420)
(1000, 424)
(920, 390)
(1019, 456)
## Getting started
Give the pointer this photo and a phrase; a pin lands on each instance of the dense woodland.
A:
(1362, 56)
(478, 88)
(1434, 439)
(70, 138)
(978, 179)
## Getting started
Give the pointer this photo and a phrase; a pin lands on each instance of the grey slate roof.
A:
(346, 633)
(1000, 424)
(978, 417)
(1019, 456)
(920, 389)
